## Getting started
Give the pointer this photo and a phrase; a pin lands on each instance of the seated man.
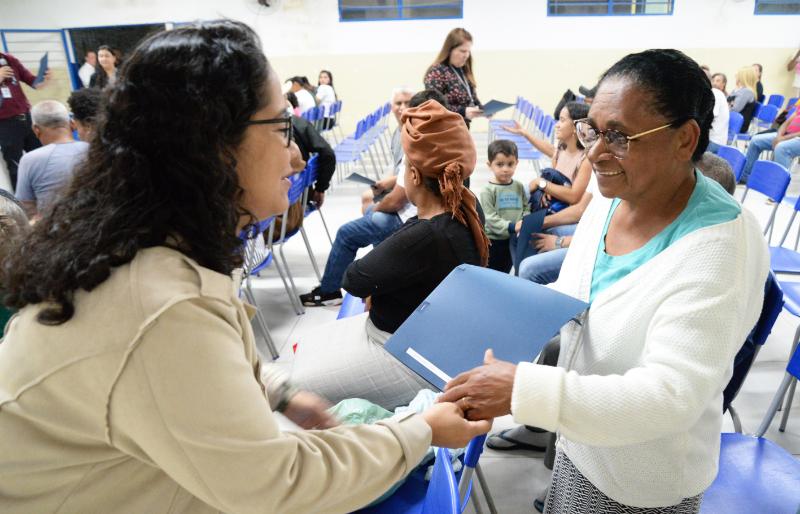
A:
(784, 142)
(378, 222)
(85, 105)
(44, 172)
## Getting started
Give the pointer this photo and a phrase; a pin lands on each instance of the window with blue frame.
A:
(608, 7)
(383, 10)
(777, 6)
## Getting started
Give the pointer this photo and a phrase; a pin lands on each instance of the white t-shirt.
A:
(410, 210)
(719, 127)
(85, 73)
(326, 95)
(304, 100)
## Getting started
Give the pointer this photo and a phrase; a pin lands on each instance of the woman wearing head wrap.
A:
(346, 358)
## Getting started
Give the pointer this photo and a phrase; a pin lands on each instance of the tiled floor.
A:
(515, 478)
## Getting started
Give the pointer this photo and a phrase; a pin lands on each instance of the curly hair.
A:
(85, 104)
(160, 172)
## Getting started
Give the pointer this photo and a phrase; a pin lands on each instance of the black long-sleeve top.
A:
(404, 269)
(310, 141)
(454, 86)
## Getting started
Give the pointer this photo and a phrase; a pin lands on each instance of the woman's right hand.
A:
(473, 112)
(514, 129)
(449, 428)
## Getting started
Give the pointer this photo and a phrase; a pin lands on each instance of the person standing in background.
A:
(794, 65)
(87, 70)
(759, 86)
(451, 74)
(326, 96)
(16, 133)
(106, 72)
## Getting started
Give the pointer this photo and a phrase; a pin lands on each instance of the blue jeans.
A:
(543, 268)
(370, 229)
(784, 152)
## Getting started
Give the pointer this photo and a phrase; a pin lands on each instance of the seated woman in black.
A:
(346, 359)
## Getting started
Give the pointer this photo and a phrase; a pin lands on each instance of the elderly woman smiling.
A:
(674, 270)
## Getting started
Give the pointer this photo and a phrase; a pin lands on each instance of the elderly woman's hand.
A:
(484, 392)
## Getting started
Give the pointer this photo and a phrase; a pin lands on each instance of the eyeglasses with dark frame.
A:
(288, 128)
(617, 142)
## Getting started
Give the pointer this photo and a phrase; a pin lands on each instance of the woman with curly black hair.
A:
(129, 380)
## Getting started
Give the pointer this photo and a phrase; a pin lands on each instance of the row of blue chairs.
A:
(320, 117)
(755, 474)
(371, 140)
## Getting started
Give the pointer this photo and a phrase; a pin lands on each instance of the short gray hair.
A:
(50, 114)
(717, 168)
(402, 90)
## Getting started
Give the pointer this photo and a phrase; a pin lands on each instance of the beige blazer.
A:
(149, 400)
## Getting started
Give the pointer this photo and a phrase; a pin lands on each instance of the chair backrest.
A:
(442, 495)
(361, 128)
(735, 121)
(794, 363)
(310, 173)
(768, 113)
(776, 100)
(770, 179)
(735, 158)
(770, 309)
(297, 187)
(757, 108)
(791, 103)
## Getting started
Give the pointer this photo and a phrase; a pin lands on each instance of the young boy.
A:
(504, 202)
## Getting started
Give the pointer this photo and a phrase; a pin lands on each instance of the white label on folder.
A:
(428, 364)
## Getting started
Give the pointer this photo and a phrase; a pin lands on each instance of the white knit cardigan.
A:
(637, 394)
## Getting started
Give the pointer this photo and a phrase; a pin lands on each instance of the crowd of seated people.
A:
(421, 220)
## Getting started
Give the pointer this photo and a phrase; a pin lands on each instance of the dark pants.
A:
(549, 357)
(16, 137)
(500, 255)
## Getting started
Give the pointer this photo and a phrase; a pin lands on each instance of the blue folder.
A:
(42, 70)
(475, 309)
(531, 224)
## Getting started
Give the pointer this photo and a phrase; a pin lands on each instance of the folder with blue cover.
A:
(474, 309)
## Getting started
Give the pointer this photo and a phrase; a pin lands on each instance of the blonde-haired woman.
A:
(743, 98)
(451, 74)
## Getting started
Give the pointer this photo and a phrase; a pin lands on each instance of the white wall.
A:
(312, 26)
(518, 48)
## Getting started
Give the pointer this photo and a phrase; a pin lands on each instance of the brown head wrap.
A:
(438, 145)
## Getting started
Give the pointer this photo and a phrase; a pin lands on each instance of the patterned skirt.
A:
(572, 493)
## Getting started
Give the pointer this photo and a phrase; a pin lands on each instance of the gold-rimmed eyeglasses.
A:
(617, 142)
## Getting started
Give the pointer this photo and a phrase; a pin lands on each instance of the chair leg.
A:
(485, 488)
(289, 291)
(787, 406)
(310, 253)
(324, 224)
(262, 324)
(737, 422)
(777, 399)
(299, 309)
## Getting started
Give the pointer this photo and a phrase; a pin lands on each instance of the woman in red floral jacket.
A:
(451, 75)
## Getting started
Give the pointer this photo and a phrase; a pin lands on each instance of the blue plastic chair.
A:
(776, 100)
(256, 258)
(735, 122)
(782, 259)
(312, 169)
(444, 494)
(770, 179)
(755, 474)
(735, 158)
(770, 310)
(791, 103)
(351, 306)
(766, 115)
